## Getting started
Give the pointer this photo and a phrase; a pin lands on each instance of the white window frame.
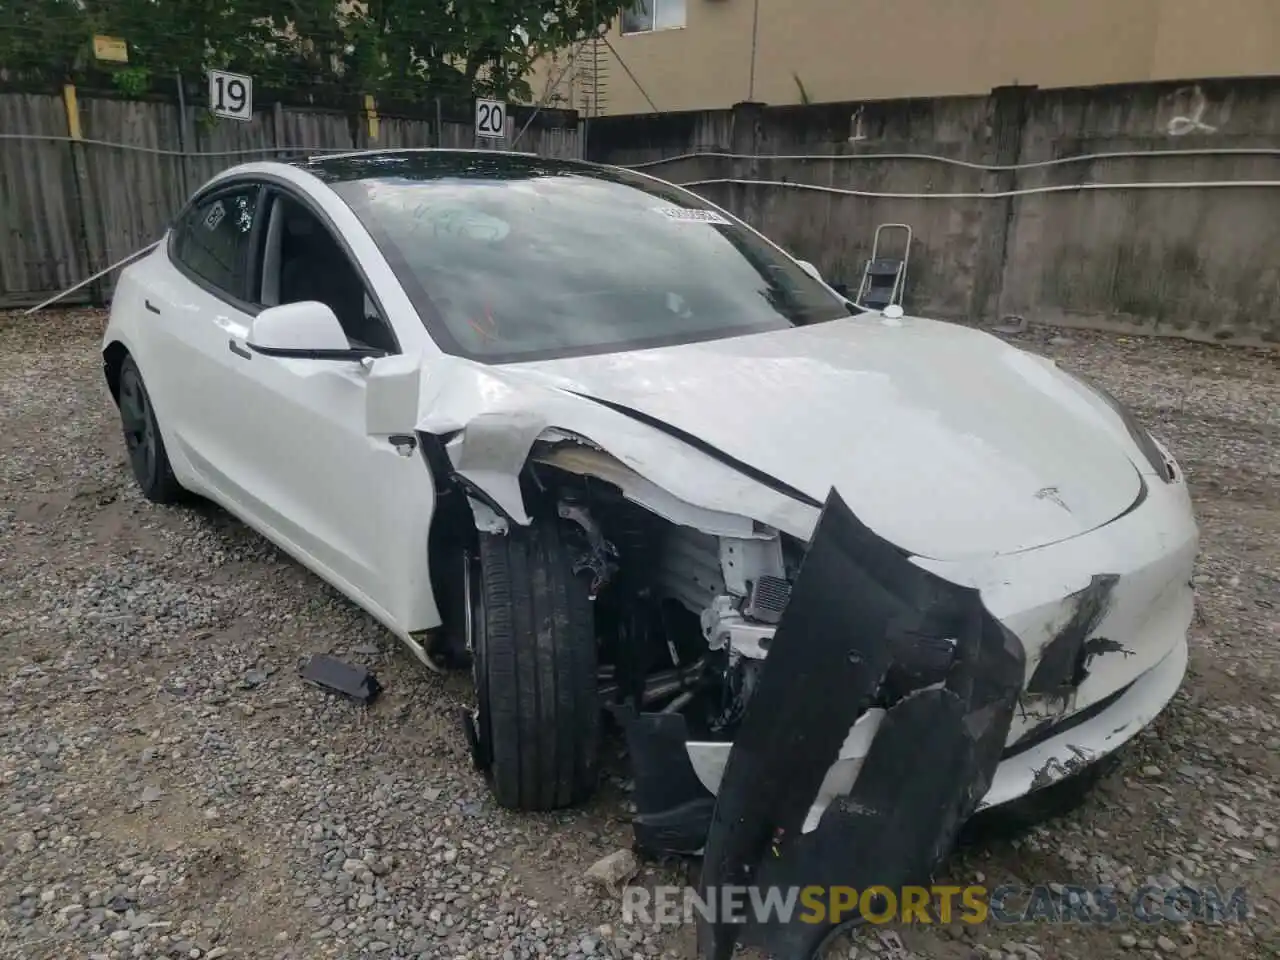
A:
(655, 6)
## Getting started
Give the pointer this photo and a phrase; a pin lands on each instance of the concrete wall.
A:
(1202, 262)
(844, 50)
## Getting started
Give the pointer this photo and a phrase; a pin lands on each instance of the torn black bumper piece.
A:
(860, 616)
(673, 808)
(332, 674)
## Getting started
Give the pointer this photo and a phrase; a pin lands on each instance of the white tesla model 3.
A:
(594, 436)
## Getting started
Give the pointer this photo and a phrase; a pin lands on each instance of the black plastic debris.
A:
(328, 673)
(121, 903)
(673, 808)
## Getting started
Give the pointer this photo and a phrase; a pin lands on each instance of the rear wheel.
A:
(142, 440)
(534, 659)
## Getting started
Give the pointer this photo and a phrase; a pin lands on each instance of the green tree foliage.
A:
(406, 49)
(44, 37)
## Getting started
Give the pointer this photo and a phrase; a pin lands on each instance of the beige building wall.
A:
(840, 50)
(1216, 38)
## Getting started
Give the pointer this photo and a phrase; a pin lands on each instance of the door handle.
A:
(151, 306)
(238, 350)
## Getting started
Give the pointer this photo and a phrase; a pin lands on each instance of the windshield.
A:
(511, 258)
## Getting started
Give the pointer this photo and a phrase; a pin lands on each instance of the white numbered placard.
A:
(230, 95)
(491, 119)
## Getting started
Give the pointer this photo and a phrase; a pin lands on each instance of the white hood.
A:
(944, 440)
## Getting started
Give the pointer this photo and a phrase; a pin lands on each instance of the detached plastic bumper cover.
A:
(861, 618)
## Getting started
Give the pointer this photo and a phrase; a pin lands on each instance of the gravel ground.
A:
(169, 788)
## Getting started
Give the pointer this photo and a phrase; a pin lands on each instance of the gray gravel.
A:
(169, 788)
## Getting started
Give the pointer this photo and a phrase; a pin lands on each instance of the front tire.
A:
(142, 440)
(534, 657)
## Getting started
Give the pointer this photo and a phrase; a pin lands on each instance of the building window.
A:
(645, 16)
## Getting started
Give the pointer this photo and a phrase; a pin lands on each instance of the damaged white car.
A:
(858, 575)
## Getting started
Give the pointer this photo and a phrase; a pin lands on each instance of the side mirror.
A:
(308, 330)
(811, 270)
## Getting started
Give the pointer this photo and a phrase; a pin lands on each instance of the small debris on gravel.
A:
(329, 673)
(614, 870)
(169, 787)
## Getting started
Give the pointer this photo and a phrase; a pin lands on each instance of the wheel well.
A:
(112, 360)
(452, 536)
(650, 579)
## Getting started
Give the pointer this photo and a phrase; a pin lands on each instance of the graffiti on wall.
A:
(1183, 112)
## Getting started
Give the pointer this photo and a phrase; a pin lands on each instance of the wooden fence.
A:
(71, 206)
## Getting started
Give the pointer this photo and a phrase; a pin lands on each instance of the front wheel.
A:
(534, 660)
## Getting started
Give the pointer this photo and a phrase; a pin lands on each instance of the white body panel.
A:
(938, 436)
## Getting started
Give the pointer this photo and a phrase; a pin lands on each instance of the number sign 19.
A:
(230, 95)
(491, 119)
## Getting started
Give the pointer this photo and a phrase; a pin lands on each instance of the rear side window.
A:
(212, 239)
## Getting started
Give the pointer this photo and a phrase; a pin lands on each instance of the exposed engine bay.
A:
(684, 619)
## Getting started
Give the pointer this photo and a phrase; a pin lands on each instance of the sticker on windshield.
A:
(685, 215)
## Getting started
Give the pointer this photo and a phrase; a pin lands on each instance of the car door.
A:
(196, 306)
(356, 505)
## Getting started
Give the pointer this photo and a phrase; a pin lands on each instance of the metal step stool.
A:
(884, 278)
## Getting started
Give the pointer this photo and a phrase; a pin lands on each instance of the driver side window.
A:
(303, 260)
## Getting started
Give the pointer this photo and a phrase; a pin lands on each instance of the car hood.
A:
(945, 440)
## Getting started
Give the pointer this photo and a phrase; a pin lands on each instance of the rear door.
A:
(196, 299)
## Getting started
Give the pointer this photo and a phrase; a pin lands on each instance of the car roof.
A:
(437, 164)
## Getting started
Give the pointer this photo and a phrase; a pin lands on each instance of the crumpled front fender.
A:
(486, 421)
(864, 627)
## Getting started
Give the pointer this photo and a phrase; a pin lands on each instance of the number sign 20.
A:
(491, 119)
(230, 95)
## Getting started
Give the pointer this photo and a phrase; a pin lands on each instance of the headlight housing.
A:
(1146, 443)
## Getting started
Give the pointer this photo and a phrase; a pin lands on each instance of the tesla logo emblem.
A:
(1052, 494)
